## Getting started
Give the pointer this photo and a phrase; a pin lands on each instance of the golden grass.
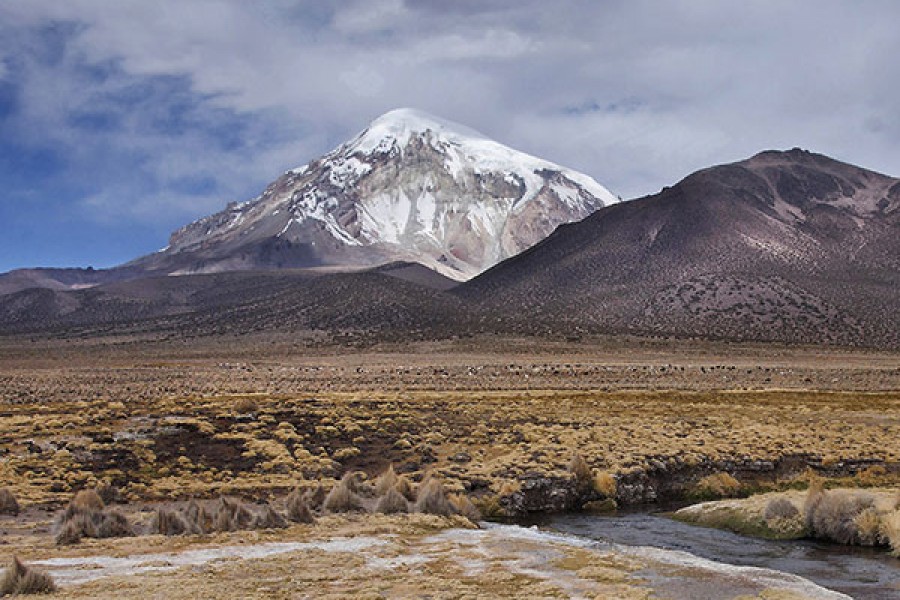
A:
(605, 483)
(890, 530)
(717, 485)
(842, 515)
(392, 502)
(170, 428)
(502, 432)
(431, 498)
(19, 579)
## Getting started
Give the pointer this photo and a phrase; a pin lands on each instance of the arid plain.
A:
(498, 421)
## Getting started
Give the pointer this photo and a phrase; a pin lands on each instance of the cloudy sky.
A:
(121, 120)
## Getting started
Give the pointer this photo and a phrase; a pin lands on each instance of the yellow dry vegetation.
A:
(198, 446)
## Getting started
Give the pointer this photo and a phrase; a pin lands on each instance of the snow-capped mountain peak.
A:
(397, 126)
(409, 187)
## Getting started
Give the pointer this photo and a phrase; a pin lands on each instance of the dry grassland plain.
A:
(166, 421)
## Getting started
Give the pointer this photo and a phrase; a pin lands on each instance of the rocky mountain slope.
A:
(786, 246)
(410, 187)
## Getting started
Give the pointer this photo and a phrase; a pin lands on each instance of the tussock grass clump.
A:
(783, 518)
(405, 487)
(245, 406)
(490, 507)
(87, 500)
(107, 523)
(386, 481)
(432, 499)
(357, 483)
(814, 495)
(508, 488)
(833, 515)
(780, 508)
(87, 516)
(68, 533)
(231, 515)
(108, 493)
(226, 514)
(167, 521)
(298, 510)
(717, 485)
(605, 483)
(8, 503)
(19, 579)
(392, 502)
(198, 515)
(114, 524)
(890, 531)
(868, 527)
(464, 507)
(580, 469)
(342, 498)
(269, 518)
(315, 497)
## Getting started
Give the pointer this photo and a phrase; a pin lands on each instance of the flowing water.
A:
(863, 573)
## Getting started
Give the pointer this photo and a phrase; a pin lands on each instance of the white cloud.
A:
(663, 88)
(369, 16)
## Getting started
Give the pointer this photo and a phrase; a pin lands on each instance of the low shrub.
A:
(108, 493)
(871, 476)
(19, 579)
(490, 507)
(87, 500)
(508, 488)
(607, 505)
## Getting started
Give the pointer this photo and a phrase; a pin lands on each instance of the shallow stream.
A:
(863, 573)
